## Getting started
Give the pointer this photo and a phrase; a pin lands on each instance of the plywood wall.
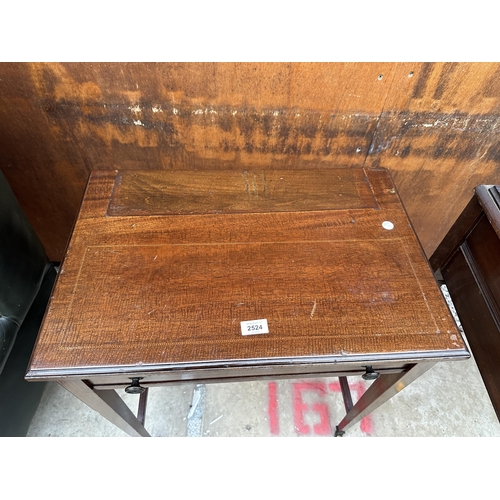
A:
(435, 126)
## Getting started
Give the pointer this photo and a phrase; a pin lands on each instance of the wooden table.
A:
(164, 270)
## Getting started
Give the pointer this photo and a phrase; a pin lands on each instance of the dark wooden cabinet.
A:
(468, 260)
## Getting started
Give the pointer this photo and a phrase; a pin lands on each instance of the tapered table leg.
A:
(381, 390)
(108, 403)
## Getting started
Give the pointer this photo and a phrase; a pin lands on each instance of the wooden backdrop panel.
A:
(439, 136)
(435, 130)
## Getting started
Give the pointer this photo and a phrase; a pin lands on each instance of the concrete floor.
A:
(448, 400)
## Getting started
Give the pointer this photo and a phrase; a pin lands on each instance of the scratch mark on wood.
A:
(313, 309)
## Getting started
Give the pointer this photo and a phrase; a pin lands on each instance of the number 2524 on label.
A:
(254, 327)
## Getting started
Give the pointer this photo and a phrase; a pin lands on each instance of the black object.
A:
(26, 281)
(370, 374)
(338, 433)
(135, 387)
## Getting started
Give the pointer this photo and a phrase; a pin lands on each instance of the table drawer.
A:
(238, 374)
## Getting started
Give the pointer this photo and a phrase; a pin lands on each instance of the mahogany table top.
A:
(163, 266)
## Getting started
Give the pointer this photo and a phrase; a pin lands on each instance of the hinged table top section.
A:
(163, 267)
(255, 191)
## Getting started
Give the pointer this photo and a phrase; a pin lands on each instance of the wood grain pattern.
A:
(150, 292)
(457, 234)
(436, 130)
(163, 193)
(85, 117)
(439, 136)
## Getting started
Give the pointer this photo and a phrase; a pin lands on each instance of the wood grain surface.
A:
(438, 135)
(188, 192)
(434, 125)
(147, 291)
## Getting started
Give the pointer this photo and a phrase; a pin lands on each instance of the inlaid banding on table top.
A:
(319, 298)
(248, 191)
(326, 259)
